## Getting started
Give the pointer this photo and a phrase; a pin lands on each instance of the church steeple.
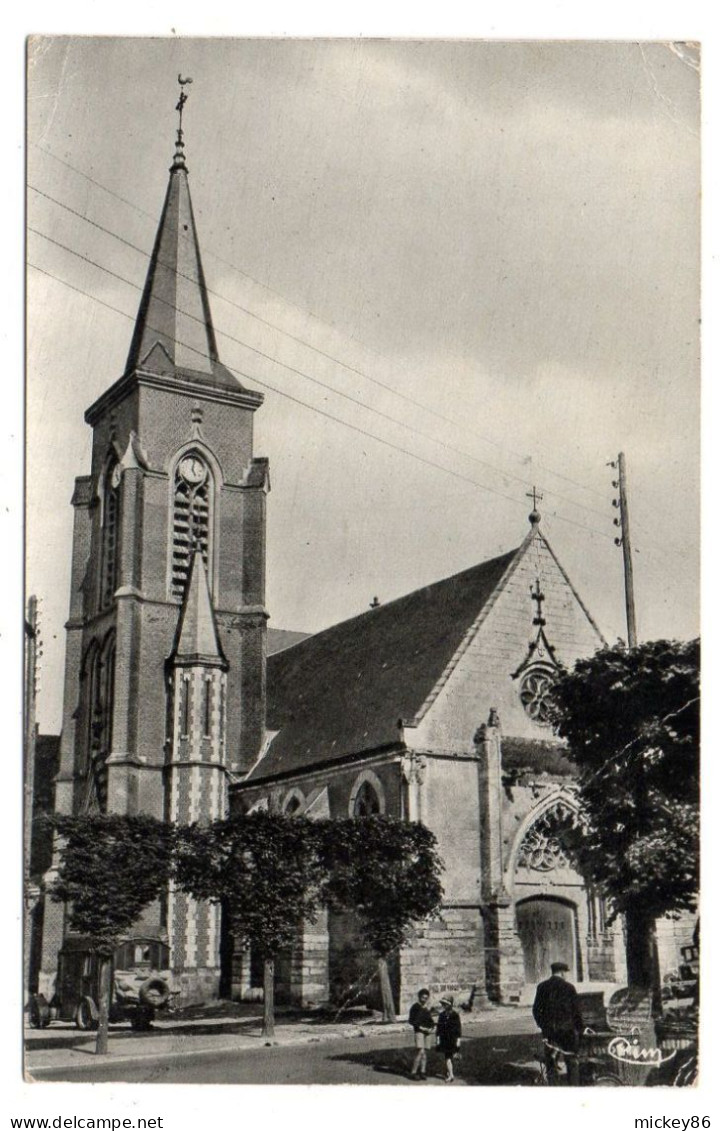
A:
(165, 661)
(174, 332)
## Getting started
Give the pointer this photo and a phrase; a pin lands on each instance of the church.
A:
(180, 702)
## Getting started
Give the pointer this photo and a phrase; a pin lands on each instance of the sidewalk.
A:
(62, 1045)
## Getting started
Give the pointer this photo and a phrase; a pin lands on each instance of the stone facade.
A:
(499, 798)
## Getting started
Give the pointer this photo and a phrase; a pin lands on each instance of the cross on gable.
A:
(540, 650)
(538, 596)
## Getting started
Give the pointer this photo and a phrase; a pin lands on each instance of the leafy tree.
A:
(263, 868)
(111, 868)
(631, 718)
(388, 872)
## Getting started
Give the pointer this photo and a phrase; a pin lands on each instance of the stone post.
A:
(504, 965)
(413, 767)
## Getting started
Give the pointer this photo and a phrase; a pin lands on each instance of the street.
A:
(359, 1060)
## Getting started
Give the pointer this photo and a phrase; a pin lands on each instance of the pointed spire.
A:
(174, 331)
(197, 637)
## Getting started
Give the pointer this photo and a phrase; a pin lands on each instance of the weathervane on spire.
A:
(181, 102)
(179, 157)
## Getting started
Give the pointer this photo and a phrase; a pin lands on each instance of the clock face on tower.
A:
(193, 470)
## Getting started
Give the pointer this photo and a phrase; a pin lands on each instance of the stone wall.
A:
(480, 676)
(196, 986)
(505, 973)
(447, 955)
(302, 975)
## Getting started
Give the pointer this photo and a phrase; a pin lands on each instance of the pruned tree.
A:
(111, 868)
(387, 872)
(631, 717)
(264, 870)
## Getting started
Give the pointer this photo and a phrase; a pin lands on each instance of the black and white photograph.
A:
(362, 556)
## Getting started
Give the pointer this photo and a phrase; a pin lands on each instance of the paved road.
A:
(369, 1060)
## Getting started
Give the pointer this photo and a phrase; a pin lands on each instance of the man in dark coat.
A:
(556, 1011)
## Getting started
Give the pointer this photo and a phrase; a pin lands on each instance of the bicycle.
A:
(592, 1071)
(686, 1073)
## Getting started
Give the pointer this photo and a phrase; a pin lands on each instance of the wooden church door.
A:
(546, 928)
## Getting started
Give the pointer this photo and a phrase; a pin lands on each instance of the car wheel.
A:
(86, 1016)
(154, 992)
(39, 1012)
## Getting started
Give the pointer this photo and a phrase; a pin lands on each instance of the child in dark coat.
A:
(423, 1024)
(448, 1034)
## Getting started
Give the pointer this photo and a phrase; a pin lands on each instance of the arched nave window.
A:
(367, 798)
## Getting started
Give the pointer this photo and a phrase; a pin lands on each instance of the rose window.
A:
(534, 694)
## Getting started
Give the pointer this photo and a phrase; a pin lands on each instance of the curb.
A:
(76, 1060)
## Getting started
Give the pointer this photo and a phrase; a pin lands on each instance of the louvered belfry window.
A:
(192, 505)
(110, 533)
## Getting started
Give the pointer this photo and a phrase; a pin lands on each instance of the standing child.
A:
(422, 1022)
(449, 1032)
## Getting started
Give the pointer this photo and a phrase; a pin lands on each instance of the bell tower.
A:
(175, 498)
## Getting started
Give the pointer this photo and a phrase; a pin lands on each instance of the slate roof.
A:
(278, 639)
(343, 690)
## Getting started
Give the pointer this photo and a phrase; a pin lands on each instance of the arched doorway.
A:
(548, 932)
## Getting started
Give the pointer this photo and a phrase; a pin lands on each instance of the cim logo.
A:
(629, 1051)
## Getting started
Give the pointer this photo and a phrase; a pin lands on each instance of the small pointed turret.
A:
(196, 776)
(197, 636)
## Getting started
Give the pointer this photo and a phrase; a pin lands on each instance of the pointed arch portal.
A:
(548, 922)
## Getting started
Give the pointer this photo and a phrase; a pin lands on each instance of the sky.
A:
(456, 269)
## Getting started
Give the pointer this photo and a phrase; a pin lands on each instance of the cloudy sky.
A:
(456, 269)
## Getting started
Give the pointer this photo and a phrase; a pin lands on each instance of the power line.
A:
(315, 380)
(302, 373)
(307, 345)
(339, 392)
(322, 412)
(370, 408)
(316, 349)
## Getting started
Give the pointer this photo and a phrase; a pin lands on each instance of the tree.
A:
(631, 718)
(111, 868)
(388, 872)
(263, 868)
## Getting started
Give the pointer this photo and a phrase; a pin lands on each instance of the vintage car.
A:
(141, 984)
(683, 982)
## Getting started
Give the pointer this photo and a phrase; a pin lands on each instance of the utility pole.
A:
(29, 724)
(624, 540)
(30, 893)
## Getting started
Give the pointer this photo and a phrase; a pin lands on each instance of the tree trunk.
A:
(104, 994)
(227, 951)
(641, 954)
(386, 990)
(268, 1029)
